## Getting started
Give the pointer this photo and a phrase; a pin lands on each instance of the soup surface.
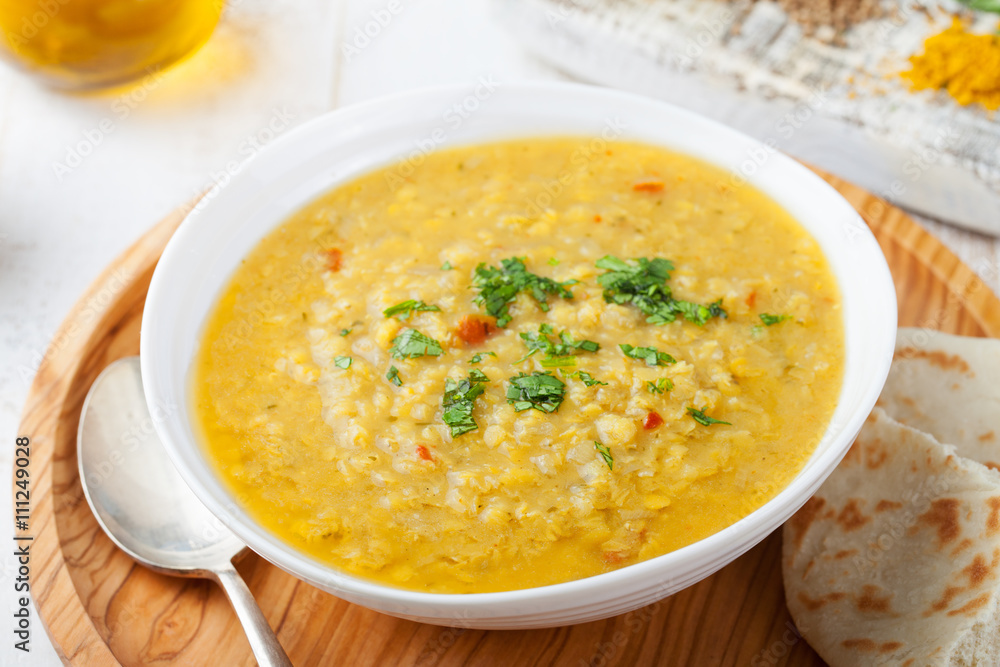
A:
(482, 373)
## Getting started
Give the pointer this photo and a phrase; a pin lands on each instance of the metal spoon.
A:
(147, 509)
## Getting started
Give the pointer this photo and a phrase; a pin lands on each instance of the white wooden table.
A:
(81, 177)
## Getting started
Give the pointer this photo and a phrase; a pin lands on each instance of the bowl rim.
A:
(748, 531)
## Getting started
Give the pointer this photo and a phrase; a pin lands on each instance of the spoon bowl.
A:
(146, 508)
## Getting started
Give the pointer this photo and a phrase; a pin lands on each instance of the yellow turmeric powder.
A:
(965, 64)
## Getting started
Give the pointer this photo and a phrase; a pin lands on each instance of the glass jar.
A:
(86, 44)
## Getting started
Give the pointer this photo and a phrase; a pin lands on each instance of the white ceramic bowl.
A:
(342, 145)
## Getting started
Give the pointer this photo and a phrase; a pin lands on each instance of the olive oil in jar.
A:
(84, 44)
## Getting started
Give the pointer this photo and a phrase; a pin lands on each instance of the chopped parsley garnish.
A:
(605, 453)
(558, 362)
(771, 320)
(498, 288)
(559, 352)
(586, 377)
(411, 344)
(393, 376)
(697, 313)
(553, 261)
(642, 283)
(478, 356)
(447, 266)
(539, 390)
(404, 309)
(342, 362)
(660, 386)
(344, 332)
(650, 355)
(702, 418)
(459, 399)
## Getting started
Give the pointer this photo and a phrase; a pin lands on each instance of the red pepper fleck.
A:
(752, 299)
(597, 218)
(653, 420)
(424, 453)
(474, 329)
(648, 186)
(334, 259)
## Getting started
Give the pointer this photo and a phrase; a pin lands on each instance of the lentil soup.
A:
(519, 364)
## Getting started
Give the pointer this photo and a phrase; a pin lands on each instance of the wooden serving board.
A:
(100, 608)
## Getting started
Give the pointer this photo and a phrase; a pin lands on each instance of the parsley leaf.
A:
(642, 283)
(498, 288)
(558, 362)
(478, 356)
(411, 344)
(702, 418)
(661, 385)
(983, 5)
(393, 376)
(459, 399)
(697, 313)
(771, 320)
(406, 308)
(344, 332)
(650, 355)
(605, 453)
(447, 266)
(559, 352)
(586, 377)
(342, 362)
(553, 261)
(539, 390)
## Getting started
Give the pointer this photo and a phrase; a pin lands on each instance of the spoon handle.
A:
(264, 643)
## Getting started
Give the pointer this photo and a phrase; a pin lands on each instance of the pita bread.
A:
(948, 386)
(896, 560)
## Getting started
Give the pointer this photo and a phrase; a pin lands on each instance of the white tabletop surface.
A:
(269, 59)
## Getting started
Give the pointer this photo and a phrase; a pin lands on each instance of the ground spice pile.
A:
(838, 14)
(965, 64)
